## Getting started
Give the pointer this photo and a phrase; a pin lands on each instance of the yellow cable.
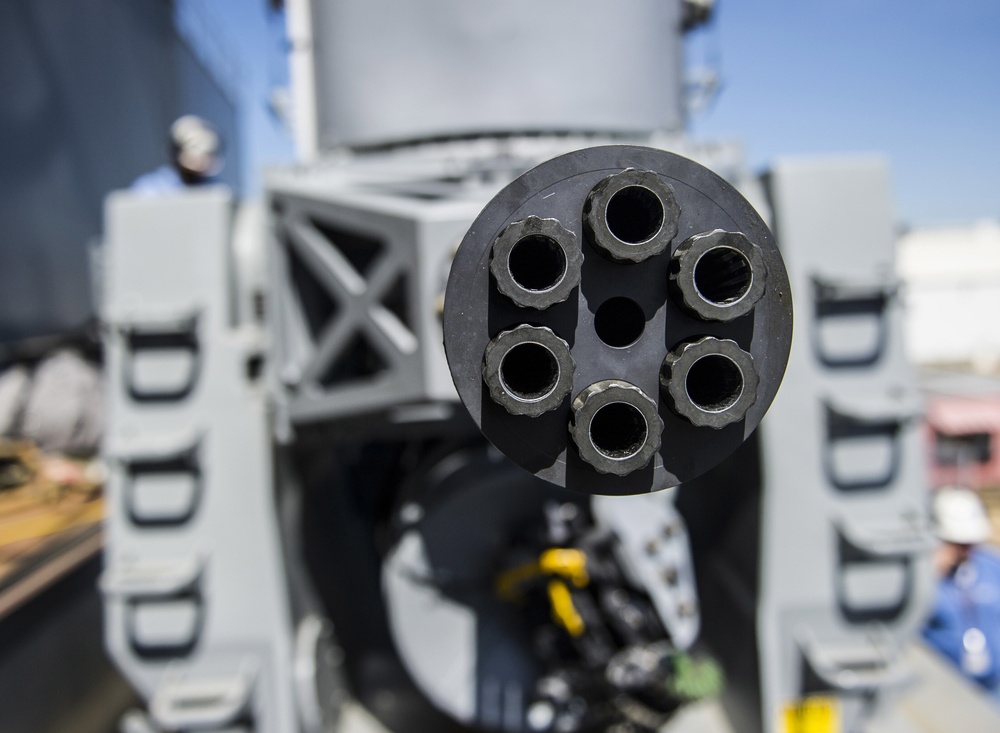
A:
(564, 612)
(570, 564)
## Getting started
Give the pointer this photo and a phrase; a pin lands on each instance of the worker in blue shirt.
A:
(964, 624)
(195, 158)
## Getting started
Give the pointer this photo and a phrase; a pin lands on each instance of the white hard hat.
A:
(197, 145)
(959, 516)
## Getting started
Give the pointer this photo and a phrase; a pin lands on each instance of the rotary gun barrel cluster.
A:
(617, 320)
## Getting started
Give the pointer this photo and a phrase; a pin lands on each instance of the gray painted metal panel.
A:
(397, 70)
(653, 543)
(198, 603)
(357, 272)
(845, 577)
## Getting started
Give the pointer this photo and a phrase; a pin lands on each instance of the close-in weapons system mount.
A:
(304, 513)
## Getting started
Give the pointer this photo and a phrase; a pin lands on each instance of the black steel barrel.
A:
(618, 320)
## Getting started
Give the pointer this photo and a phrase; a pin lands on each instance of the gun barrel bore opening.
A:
(619, 322)
(723, 275)
(618, 430)
(529, 371)
(714, 383)
(634, 214)
(537, 263)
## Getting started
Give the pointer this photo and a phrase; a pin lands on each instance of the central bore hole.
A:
(634, 214)
(618, 430)
(529, 371)
(619, 322)
(714, 383)
(537, 262)
(723, 275)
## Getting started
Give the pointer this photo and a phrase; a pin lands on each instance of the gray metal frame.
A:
(356, 280)
(821, 594)
(198, 605)
(845, 575)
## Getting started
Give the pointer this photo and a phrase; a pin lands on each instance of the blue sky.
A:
(917, 81)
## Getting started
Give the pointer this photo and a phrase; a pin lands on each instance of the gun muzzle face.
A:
(618, 320)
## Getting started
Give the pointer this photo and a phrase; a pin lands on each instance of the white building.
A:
(951, 280)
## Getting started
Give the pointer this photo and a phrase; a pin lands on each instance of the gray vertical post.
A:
(844, 578)
(198, 615)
